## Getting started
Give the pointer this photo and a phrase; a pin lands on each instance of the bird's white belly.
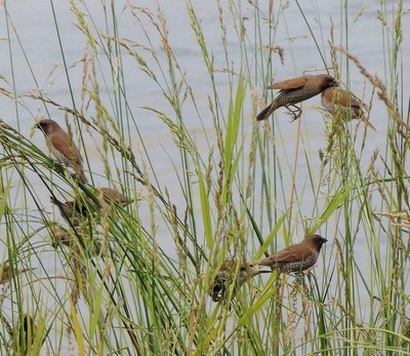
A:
(60, 158)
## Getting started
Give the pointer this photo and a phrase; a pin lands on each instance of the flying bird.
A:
(62, 147)
(337, 100)
(296, 258)
(296, 90)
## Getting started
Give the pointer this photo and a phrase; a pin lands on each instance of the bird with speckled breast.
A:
(62, 147)
(294, 91)
(296, 258)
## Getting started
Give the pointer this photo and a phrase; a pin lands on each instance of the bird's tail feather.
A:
(367, 123)
(360, 114)
(267, 111)
(267, 262)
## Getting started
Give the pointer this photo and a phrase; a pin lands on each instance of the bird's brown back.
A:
(317, 82)
(294, 253)
(294, 83)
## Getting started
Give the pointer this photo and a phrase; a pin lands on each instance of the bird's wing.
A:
(294, 83)
(64, 145)
(293, 253)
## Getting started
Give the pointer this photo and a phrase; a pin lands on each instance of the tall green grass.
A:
(135, 280)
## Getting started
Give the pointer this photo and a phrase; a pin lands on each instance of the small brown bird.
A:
(59, 235)
(226, 274)
(296, 90)
(337, 100)
(62, 147)
(5, 272)
(111, 195)
(296, 258)
(72, 211)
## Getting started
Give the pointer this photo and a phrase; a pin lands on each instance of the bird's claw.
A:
(295, 114)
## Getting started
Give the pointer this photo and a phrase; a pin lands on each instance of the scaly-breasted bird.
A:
(226, 274)
(337, 100)
(296, 90)
(62, 147)
(296, 258)
(111, 195)
(72, 211)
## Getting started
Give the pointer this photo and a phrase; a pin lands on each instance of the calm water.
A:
(35, 26)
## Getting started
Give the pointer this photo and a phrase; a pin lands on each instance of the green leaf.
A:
(97, 302)
(332, 205)
(270, 237)
(205, 209)
(266, 294)
(231, 136)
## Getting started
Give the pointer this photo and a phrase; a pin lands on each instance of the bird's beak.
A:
(33, 128)
(335, 83)
(324, 240)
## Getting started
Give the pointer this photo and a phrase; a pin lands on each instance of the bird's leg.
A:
(299, 276)
(296, 113)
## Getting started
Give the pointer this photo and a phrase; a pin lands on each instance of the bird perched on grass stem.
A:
(337, 100)
(62, 147)
(59, 235)
(296, 90)
(226, 276)
(6, 272)
(111, 195)
(296, 258)
(73, 211)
